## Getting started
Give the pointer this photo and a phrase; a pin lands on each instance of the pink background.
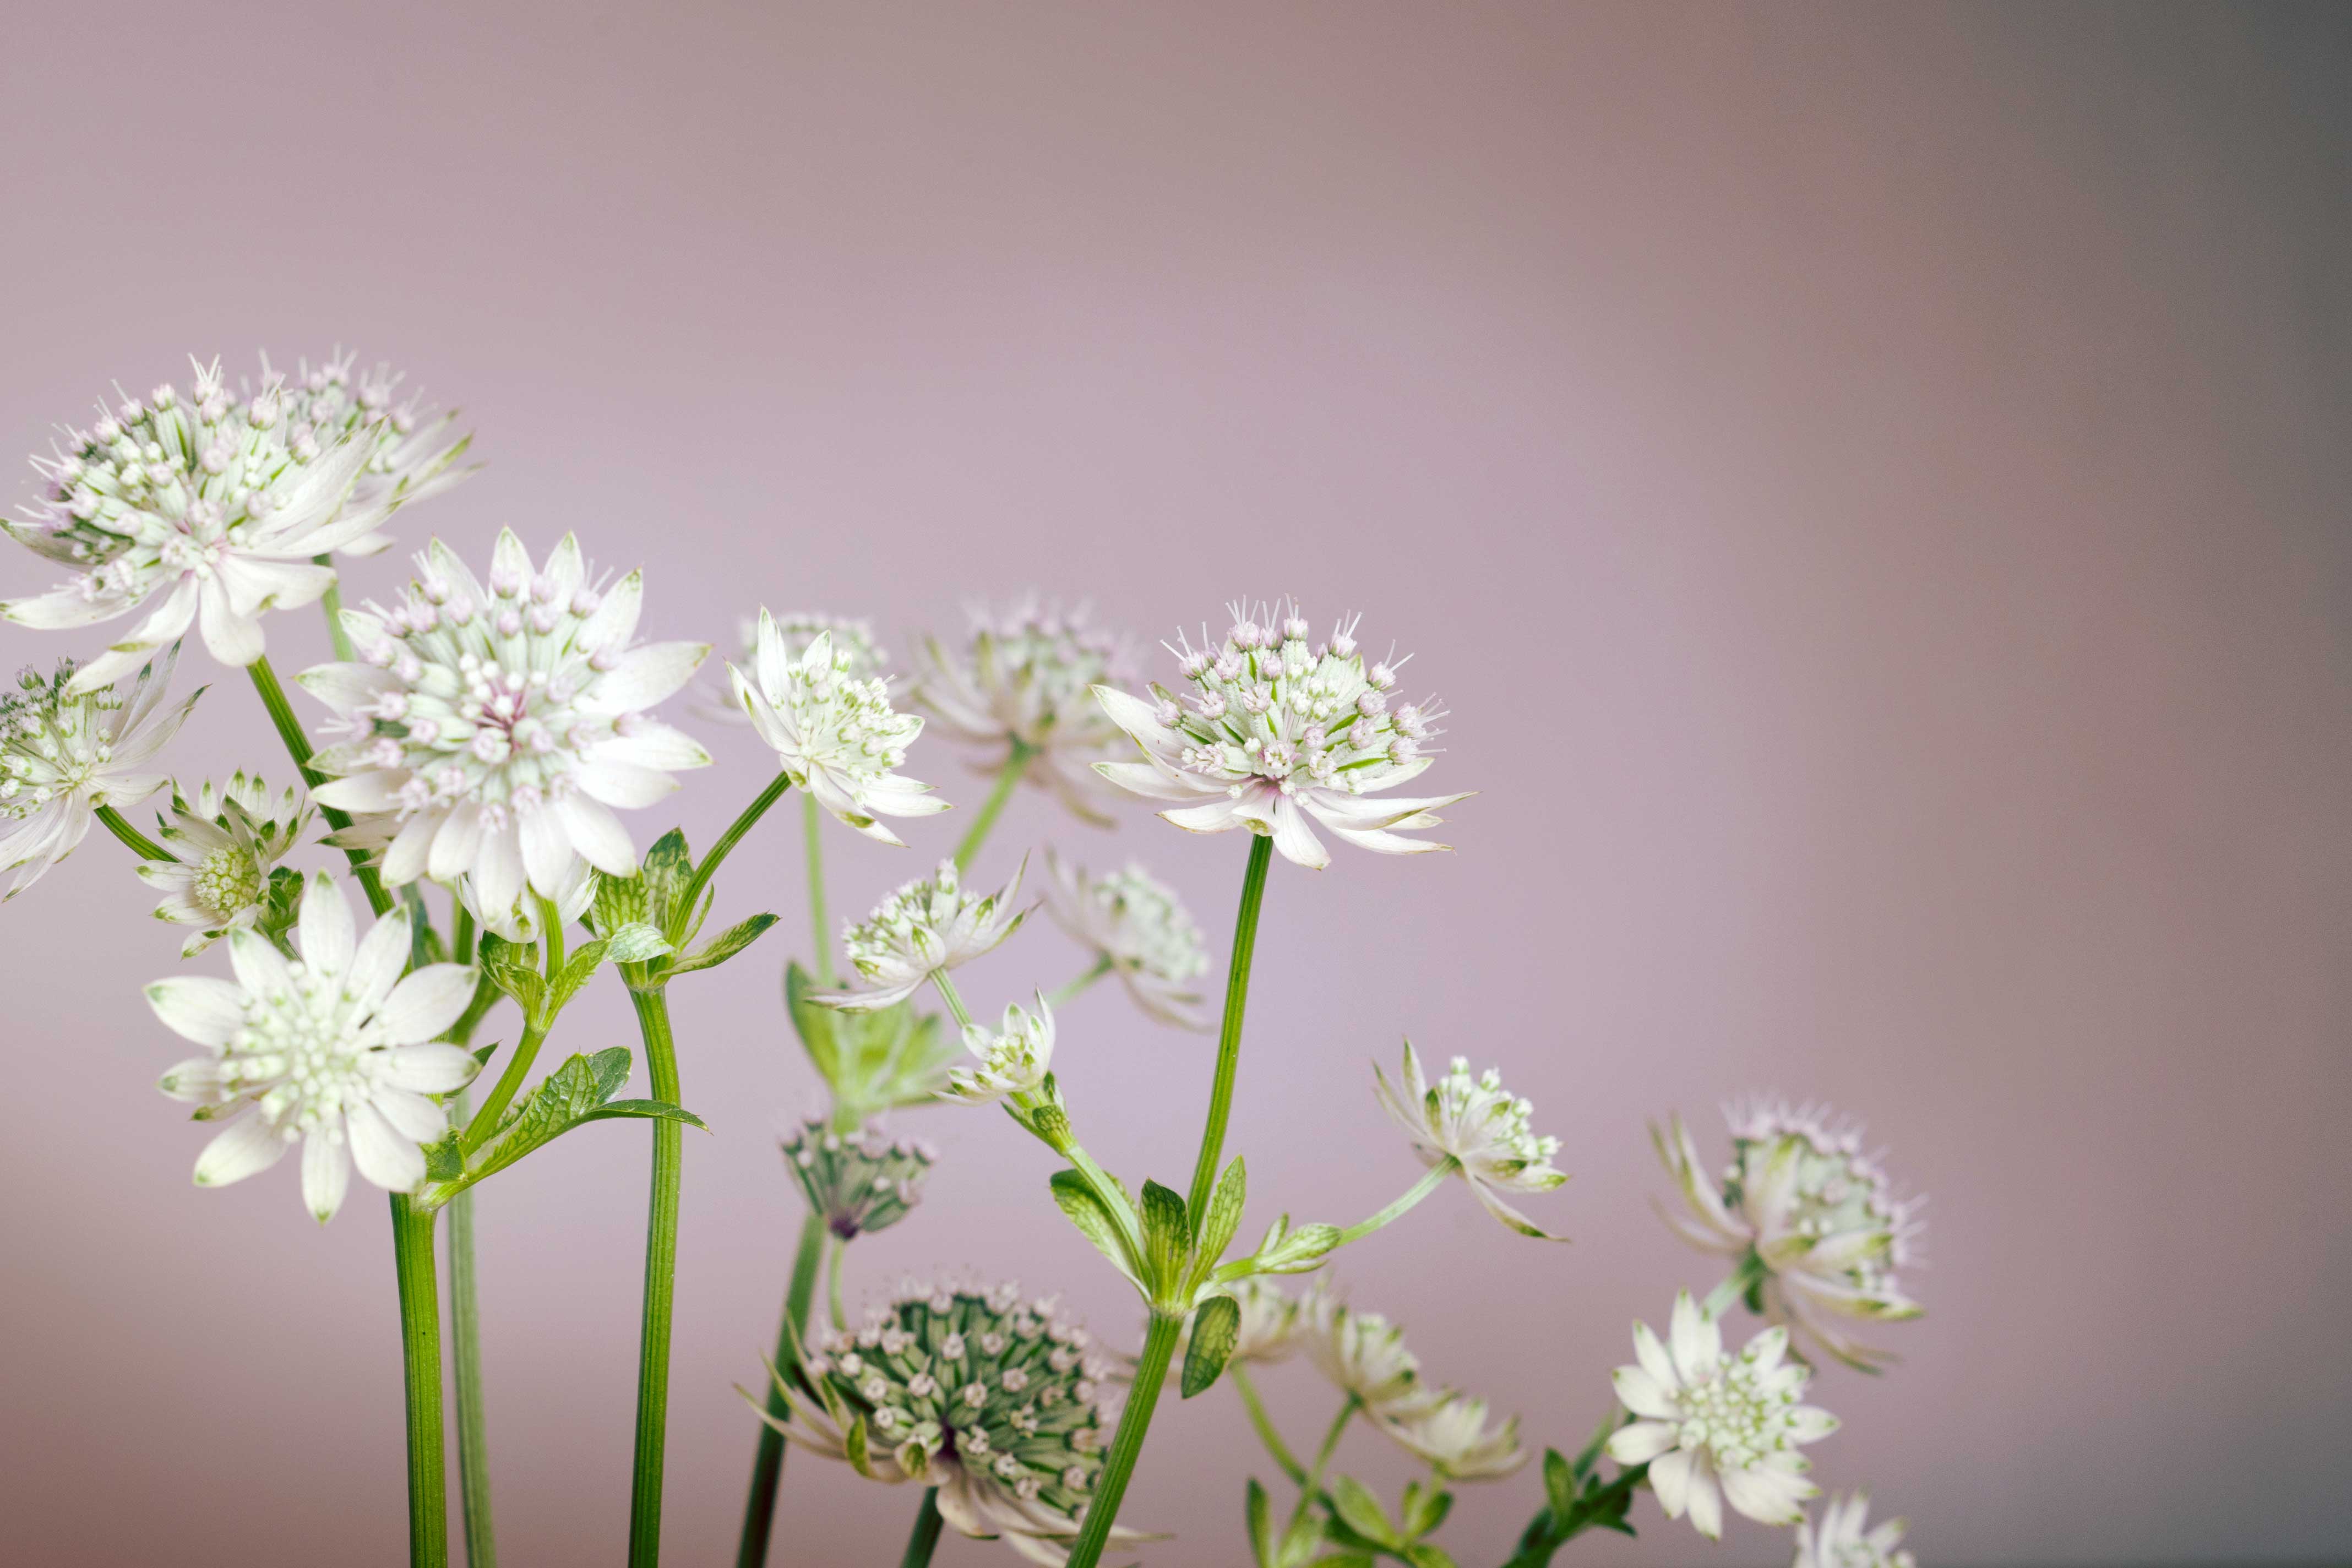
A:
(1869, 483)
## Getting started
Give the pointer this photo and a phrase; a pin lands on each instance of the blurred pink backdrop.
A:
(1869, 482)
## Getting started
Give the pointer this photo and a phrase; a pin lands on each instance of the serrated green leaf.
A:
(723, 946)
(669, 869)
(444, 1160)
(1361, 1512)
(575, 1092)
(1299, 1251)
(636, 941)
(578, 969)
(1077, 1198)
(1165, 1238)
(1216, 1330)
(647, 1111)
(1221, 1220)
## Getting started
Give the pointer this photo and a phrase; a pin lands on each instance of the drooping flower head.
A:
(1135, 922)
(1273, 732)
(216, 502)
(1362, 1353)
(1816, 1212)
(835, 733)
(1714, 1427)
(227, 840)
(334, 1050)
(1450, 1433)
(63, 755)
(1480, 1126)
(1841, 1541)
(933, 922)
(860, 1182)
(493, 727)
(521, 921)
(850, 635)
(414, 448)
(1022, 681)
(1012, 1060)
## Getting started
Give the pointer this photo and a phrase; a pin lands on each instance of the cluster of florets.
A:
(50, 744)
(1026, 676)
(1835, 1188)
(412, 450)
(1148, 927)
(1004, 1389)
(226, 841)
(931, 924)
(860, 1182)
(1362, 1353)
(857, 654)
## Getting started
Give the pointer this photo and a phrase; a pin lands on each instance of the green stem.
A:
(139, 843)
(1111, 1487)
(298, 746)
(684, 913)
(948, 995)
(1419, 1190)
(1744, 1278)
(332, 601)
(1266, 1432)
(1312, 1486)
(517, 1068)
(1229, 1038)
(661, 1271)
(925, 1537)
(820, 929)
(767, 1466)
(1102, 966)
(1016, 765)
(461, 933)
(466, 1357)
(420, 1341)
(833, 1248)
(551, 922)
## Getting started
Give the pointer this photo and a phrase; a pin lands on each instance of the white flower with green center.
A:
(931, 924)
(1815, 1213)
(834, 733)
(859, 1182)
(853, 637)
(495, 727)
(1022, 684)
(1714, 1427)
(1362, 1353)
(1450, 1433)
(414, 449)
(1133, 922)
(333, 1050)
(1839, 1540)
(1276, 732)
(63, 756)
(1011, 1060)
(217, 503)
(1480, 1127)
(227, 841)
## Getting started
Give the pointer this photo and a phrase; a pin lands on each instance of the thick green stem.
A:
(1016, 765)
(1229, 1038)
(925, 1537)
(466, 1358)
(298, 746)
(1111, 1487)
(684, 914)
(661, 1272)
(420, 1343)
(767, 1466)
(1102, 966)
(1419, 1190)
(1267, 1433)
(137, 842)
(820, 929)
(331, 602)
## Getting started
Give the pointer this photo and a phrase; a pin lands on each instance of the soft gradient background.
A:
(1870, 484)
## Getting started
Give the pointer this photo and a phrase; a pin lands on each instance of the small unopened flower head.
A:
(415, 448)
(227, 840)
(1451, 1432)
(1362, 1353)
(852, 637)
(1714, 1426)
(860, 1182)
(1011, 1059)
(64, 753)
(930, 923)
(1842, 1538)
(523, 919)
(1276, 732)
(1479, 1125)
(1137, 922)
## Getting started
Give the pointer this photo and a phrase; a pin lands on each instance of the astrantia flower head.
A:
(854, 638)
(1815, 1211)
(1023, 682)
(1362, 1353)
(218, 503)
(1010, 1060)
(860, 1182)
(1713, 1427)
(520, 922)
(989, 1398)
(63, 756)
(1273, 732)
(334, 1050)
(1450, 1431)
(495, 726)
(414, 448)
(227, 840)
(833, 732)
(933, 922)
(1839, 1540)
(1136, 923)
(1480, 1126)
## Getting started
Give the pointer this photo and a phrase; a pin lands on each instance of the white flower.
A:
(1273, 732)
(1136, 921)
(1480, 1126)
(1450, 1433)
(1840, 1542)
(412, 452)
(1815, 1210)
(850, 635)
(331, 1050)
(519, 921)
(63, 756)
(1362, 1353)
(1707, 1420)
(930, 923)
(227, 840)
(1023, 682)
(494, 729)
(1271, 1322)
(217, 503)
(834, 733)
(1012, 1060)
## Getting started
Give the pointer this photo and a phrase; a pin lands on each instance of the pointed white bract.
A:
(520, 922)
(1477, 1123)
(66, 750)
(1362, 1353)
(1816, 1211)
(1023, 679)
(333, 1050)
(1275, 732)
(1011, 1059)
(1840, 1540)
(852, 637)
(412, 449)
(1717, 1427)
(227, 840)
(834, 733)
(1136, 921)
(933, 922)
(1450, 1433)
(489, 729)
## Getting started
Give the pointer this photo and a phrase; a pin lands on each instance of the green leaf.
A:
(482, 1056)
(815, 1024)
(1299, 1251)
(1423, 1554)
(1077, 1198)
(1165, 1238)
(1560, 1479)
(577, 971)
(1361, 1512)
(1425, 1511)
(636, 941)
(1258, 1512)
(578, 1092)
(669, 869)
(646, 1110)
(621, 902)
(1216, 1330)
(723, 946)
(444, 1160)
(1223, 1218)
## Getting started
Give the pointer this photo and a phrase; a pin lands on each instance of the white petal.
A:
(1706, 1503)
(244, 1147)
(457, 845)
(1642, 1441)
(623, 783)
(411, 850)
(375, 967)
(258, 967)
(199, 1007)
(324, 930)
(368, 792)
(326, 1174)
(433, 1069)
(1653, 1358)
(597, 835)
(1697, 1343)
(1643, 1395)
(1670, 1476)
(498, 875)
(644, 675)
(1296, 840)
(383, 1157)
(344, 686)
(413, 1117)
(427, 1003)
(547, 852)
(653, 744)
(232, 638)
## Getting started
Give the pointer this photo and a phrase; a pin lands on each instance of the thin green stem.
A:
(726, 846)
(1419, 1190)
(461, 929)
(661, 1277)
(1312, 1486)
(820, 929)
(1744, 1278)
(1102, 967)
(1229, 1038)
(1267, 1433)
(551, 931)
(137, 842)
(420, 1343)
(925, 1537)
(332, 601)
(1111, 1487)
(1015, 764)
(298, 746)
(833, 1248)
(954, 1000)
(517, 1068)
(466, 1358)
(768, 1466)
